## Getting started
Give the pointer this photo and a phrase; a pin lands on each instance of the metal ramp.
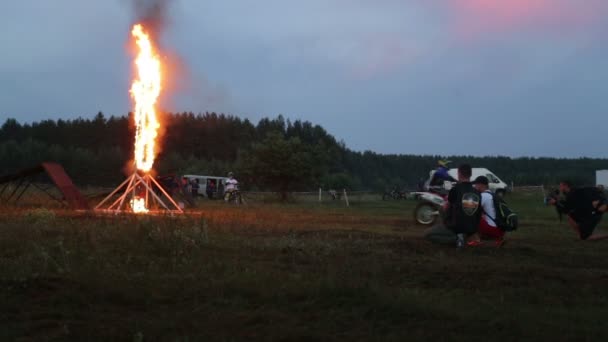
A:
(58, 176)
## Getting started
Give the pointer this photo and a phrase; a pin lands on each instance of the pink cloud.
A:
(479, 17)
(364, 56)
(381, 54)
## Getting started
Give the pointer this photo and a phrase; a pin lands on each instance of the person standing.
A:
(210, 190)
(195, 185)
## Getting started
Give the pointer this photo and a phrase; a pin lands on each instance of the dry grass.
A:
(292, 272)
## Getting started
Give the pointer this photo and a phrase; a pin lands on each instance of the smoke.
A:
(182, 85)
(153, 14)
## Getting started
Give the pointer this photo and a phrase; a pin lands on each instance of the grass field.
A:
(294, 272)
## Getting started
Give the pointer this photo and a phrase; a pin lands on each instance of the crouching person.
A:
(488, 225)
(462, 212)
(584, 207)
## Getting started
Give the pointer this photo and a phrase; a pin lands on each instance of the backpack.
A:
(506, 219)
(465, 209)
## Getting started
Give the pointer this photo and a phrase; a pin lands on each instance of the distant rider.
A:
(231, 186)
(442, 174)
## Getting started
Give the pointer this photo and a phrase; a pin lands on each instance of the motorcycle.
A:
(431, 206)
(394, 194)
(233, 197)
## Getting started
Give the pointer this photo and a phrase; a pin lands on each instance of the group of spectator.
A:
(471, 213)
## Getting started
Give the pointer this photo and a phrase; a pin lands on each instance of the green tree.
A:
(283, 164)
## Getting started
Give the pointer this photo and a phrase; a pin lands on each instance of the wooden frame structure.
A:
(138, 186)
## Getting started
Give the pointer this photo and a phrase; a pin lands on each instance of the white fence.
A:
(321, 196)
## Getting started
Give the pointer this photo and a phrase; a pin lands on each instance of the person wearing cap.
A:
(442, 174)
(488, 229)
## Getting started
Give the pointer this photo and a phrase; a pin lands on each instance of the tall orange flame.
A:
(145, 91)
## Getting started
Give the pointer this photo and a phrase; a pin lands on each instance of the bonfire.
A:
(145, 91)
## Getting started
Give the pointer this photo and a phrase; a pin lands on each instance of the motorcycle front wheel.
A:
(426, 214)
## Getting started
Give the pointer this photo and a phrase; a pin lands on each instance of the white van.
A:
(496, 184)
(203, 181)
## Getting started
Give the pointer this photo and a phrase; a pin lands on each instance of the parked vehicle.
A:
(204, 181)
(496, 184)
(601, 178)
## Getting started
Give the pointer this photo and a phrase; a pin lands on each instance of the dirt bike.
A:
(431, 206)
(394, 194)
(234, 197)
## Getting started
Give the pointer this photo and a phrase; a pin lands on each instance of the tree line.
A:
(272, 154)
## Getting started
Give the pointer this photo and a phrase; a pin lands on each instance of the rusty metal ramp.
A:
(71, 194)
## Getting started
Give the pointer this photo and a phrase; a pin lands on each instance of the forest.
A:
(274, 154)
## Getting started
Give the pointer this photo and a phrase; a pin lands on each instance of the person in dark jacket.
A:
(584, 207)
(463, 210)
(194, 186)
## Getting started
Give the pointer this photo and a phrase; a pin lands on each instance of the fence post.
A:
(320, 195)
(544, 192)
(346, 198)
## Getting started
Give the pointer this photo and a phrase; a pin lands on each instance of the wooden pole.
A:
(346, 198)
(148, 192)
(113, 193)
(166, 195)
(130, 187)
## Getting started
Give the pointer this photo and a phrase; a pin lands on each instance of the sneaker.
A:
(500, 242)
(460, 241)
(474, 243)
